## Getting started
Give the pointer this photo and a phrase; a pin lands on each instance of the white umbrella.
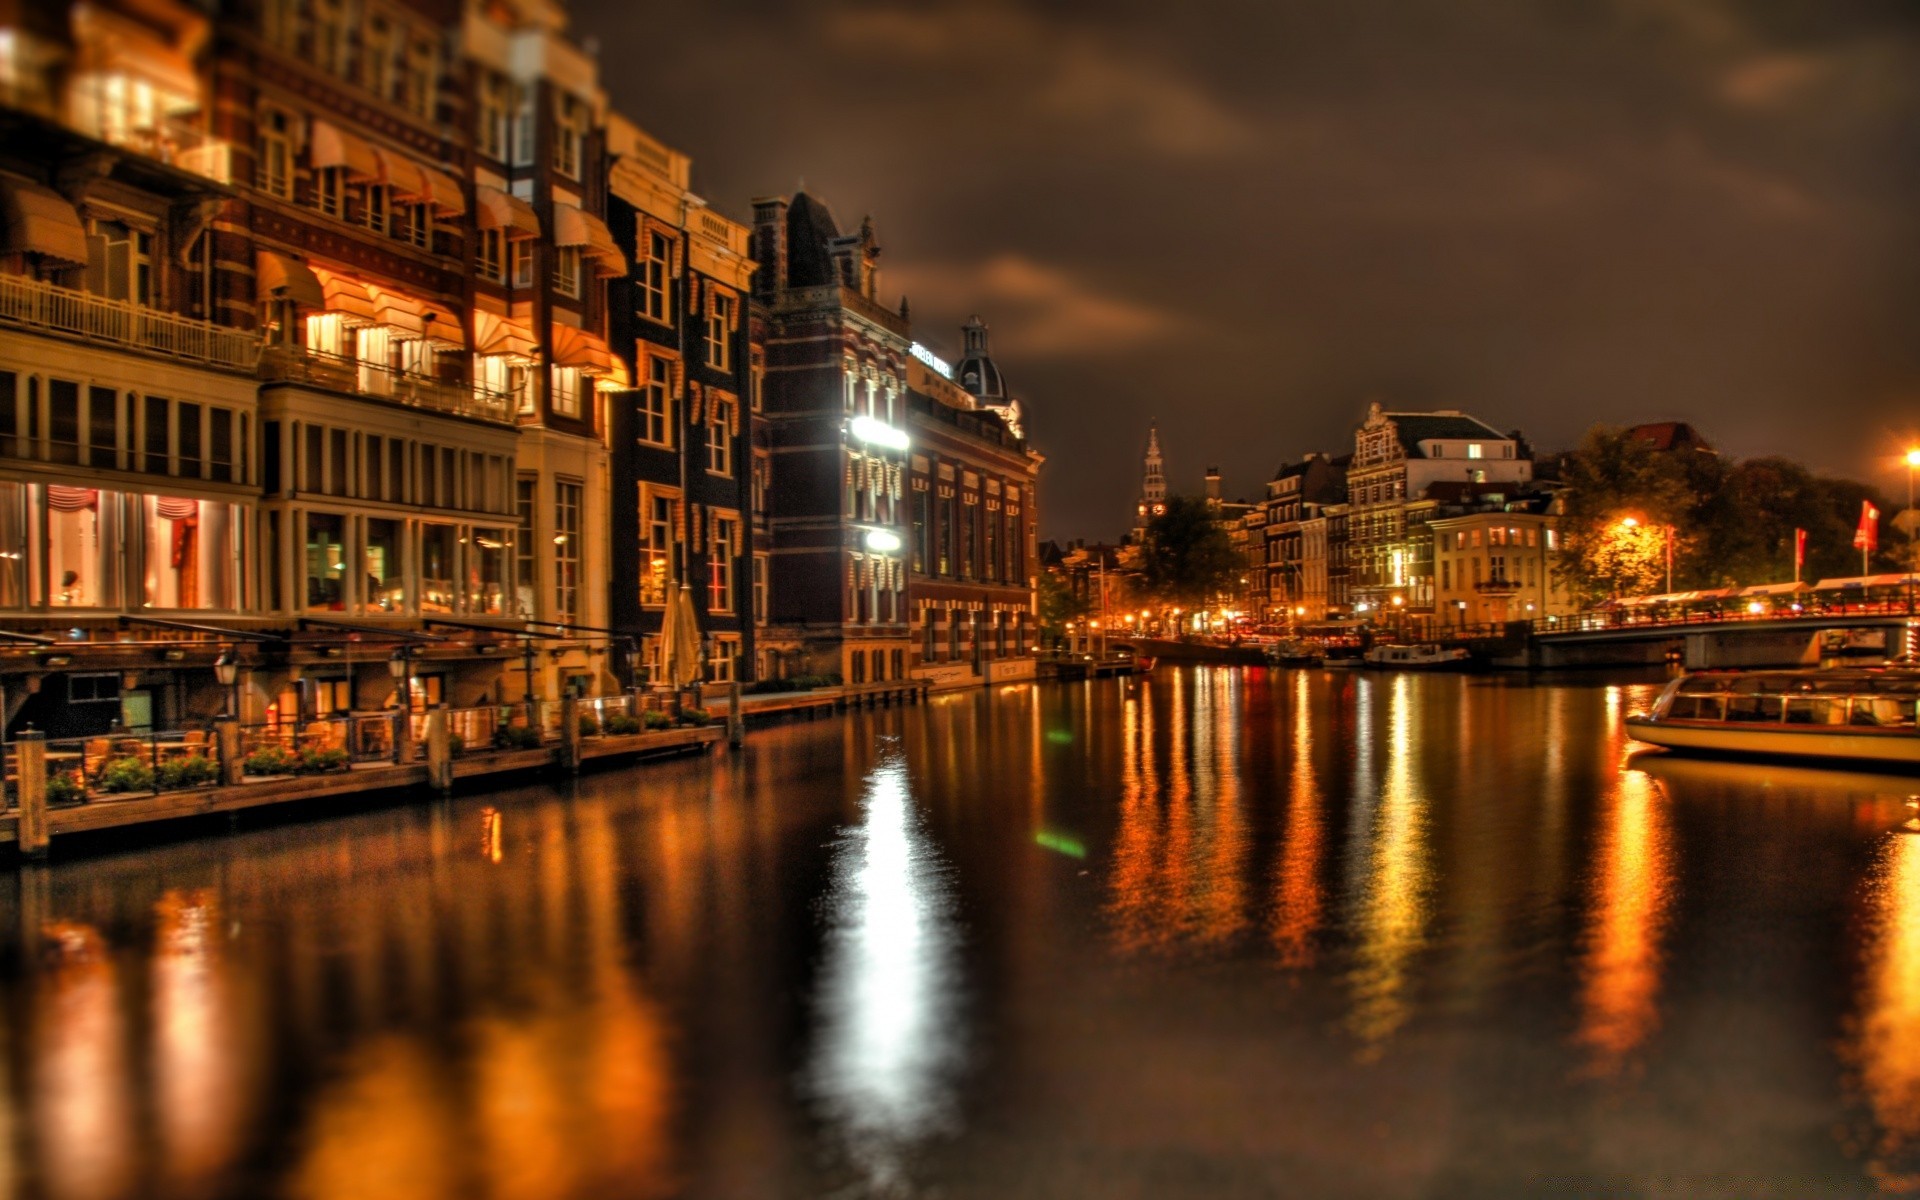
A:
(680, 640)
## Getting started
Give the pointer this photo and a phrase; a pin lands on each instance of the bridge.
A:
(1700, 640)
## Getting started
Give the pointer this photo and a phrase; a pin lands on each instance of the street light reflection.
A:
(1392, 906)
(882, 1068)
(1632, 891)
(1880, 1050)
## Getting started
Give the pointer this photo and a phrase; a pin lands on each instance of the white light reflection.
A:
(887, 1043)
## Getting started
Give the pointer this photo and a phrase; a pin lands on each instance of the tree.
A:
(1186, 556)
(1613, 479)
(1057, 605)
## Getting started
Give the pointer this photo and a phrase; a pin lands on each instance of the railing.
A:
(469, 729)
(336, 373)
(109, 765)
(36, 305)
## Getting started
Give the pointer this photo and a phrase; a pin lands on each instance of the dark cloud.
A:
(1246, 219)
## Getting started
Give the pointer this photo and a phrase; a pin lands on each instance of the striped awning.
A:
(495, 334)
(503, 210)
(575, 347)
(617, 378)
(576, 227)
(277, 274)
(406, 177)
(398, 311)
(444, 328)
(328, 146)
(40, 221)
(445, 194)
(347, 296)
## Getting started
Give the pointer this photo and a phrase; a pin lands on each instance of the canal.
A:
(1215, 932)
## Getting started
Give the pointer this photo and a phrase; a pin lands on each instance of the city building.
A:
(688, 479)
(1498, 564)
(972, 520)
(1396, 456)
(834, 410)
(1294, 538)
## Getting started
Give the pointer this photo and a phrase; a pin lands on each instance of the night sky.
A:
(1248, 219)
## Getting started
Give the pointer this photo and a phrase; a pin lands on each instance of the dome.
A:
(976, 371)
(810, 232)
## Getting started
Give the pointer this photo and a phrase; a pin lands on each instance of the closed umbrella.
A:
(680, 640)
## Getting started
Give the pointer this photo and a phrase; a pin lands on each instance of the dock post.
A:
(402, 734)
(439, 750)
(226, 736)
(30, 751)
(736, 719)
(570, 731)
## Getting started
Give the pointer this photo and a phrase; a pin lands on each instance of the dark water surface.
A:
(1216, 933)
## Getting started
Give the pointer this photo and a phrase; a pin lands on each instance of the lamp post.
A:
(1913, 460)
(400, 666)
(226, 669)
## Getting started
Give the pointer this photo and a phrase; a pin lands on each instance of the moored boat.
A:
(1861, 714)
(1424, 657)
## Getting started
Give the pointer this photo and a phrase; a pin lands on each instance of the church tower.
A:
(1153, 487)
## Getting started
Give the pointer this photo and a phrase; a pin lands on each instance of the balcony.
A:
(1499, 587)
(30, 304)
(350, 376)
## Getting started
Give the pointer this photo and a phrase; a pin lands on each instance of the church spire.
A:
(1153, 484)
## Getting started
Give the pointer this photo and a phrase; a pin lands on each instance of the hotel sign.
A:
(932, 360)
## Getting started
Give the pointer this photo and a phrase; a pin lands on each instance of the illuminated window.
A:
(566, 550)
(525, 490)
(520, 255)
(655, 274)
(569, 135)
(655, 405)
(719, 333)
(523, 126)
(725, 544)
(1474, 450)
(120, 263)
(659, 523)
(760, 588)
(566, 391)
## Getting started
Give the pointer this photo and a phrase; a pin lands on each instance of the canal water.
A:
(1220, 933)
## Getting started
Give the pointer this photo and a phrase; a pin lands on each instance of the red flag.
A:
(1867, 536)
(1799, 551)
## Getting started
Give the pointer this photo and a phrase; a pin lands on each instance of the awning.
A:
(444, 328)
(406, 177)
(577, 227)
(495, 334)
(274, 272)
(346, 296)
(503, 210)
(617, 379)
(40, 221)
(575, 347)
(329, 147)
(396, 310)
(447, 198)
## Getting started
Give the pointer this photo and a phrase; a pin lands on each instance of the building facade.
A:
(836, 445)
(1497, 565)
(1294, 538)
(973, 521)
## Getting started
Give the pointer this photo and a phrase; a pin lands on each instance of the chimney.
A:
(769, 246)
(1213, 485)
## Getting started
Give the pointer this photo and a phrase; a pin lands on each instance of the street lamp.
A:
(1913, 460)
(226, 669)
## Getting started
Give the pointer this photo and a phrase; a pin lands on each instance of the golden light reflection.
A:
(1632, 890)
(85, 1141)
(490, 831)
(1881, 1049)
(200, 1049)
(1300, 897)
(1393, 904)
(385, 1130)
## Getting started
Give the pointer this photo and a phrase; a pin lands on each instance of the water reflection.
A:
(1632, 889)
(1299, 896)
(1882, 1048)
(1391, 904)
(202, 1048)
(882, 1068)
(80, 1069)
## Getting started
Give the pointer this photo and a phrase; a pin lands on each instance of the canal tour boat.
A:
(1426, 657)
(1863, 714)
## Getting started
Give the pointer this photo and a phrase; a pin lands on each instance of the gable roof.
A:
(1416, 427)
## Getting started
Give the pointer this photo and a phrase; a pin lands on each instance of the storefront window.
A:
(191, 553)
(326, 562)
(438, 569)
(82, 546)
(13, 545)
(385, 577)
(487, 572)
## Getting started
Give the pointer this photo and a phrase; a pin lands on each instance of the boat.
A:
(1144, 663)
(1857, 714)
(1292, 653)
(1422, 657)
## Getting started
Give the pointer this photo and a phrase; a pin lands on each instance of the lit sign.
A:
(931, 359)
(882, 540)
(879, 433)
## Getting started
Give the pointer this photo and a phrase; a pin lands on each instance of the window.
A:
(412, 223)
(656, 408)
(566, 391)
(918, 542)
(486, 572)
(103, 427)
(375, 211)
(760, 588)
(566, 550)
(273, 153)
(725, 544)
(566, 270)
(326, 562)
(377, 56)
(525, 489)
(120, 263)
(493, 255)
(720, 437)
(520, 258)
(1473, 450)
(726, 650)
(419, 77)
(492, 123)
(330, 184)
(659, 524)
(569, 135)
(655, 274)
(383, 567)
(720, 332)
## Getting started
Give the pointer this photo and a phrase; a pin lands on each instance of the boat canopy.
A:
(1863, 582)
(1776, 589)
